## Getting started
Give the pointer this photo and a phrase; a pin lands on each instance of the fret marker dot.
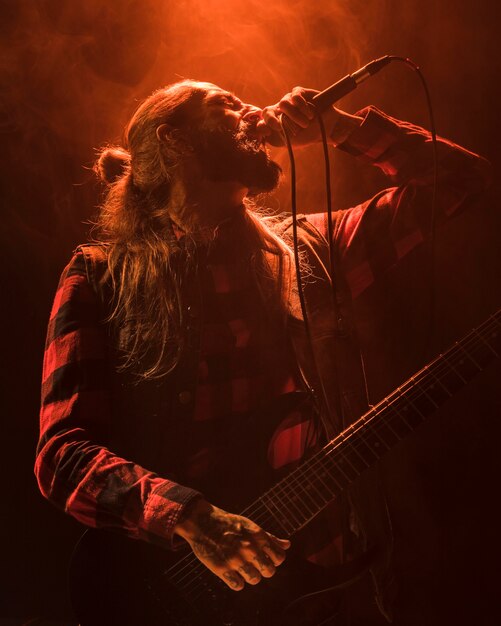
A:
(376, 444)
(461, 362)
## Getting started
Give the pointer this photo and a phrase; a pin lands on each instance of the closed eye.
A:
(232, 103)
(236, 105)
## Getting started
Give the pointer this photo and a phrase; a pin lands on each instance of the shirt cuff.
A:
(374, 136)
(162, 512)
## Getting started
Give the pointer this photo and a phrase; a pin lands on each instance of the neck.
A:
(199, 206)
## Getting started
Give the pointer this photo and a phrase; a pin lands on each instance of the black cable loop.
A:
(432, 246)
(337, 313)
(433, 219)
(330, 231)
(297, 264)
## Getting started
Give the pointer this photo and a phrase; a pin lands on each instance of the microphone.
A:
(349, 83)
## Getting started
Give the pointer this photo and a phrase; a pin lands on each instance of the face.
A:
(228, 145)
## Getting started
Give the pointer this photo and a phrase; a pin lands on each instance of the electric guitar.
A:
(115, 580)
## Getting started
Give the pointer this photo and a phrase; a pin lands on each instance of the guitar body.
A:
(115, 580)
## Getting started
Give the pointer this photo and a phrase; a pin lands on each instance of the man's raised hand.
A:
(299, 116)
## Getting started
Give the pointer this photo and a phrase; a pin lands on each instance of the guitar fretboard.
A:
(296, 499)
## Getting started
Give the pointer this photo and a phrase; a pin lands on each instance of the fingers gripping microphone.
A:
(349, 83)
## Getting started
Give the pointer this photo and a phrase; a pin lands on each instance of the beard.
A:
(232, 155)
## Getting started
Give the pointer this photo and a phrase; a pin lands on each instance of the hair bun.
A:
(111, 164)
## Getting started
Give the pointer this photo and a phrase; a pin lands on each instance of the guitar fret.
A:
(294, 510)
(336, 468)
(385, 426)
(494, 319)
(495, 352)
(280, 515)
(451, 379)
(328, 474)
(482, 352)
(277, 517)
(470, 358)
(362, 446)
(301, 512)
(354, 459)
(393, 412)
(373, 425)
(469, 362)
(320, 479)
(399, 426)
(424, 391)
(311, 485)
(432, 387)
(305, 487)
(378, 440)
(422, 404)
(344, 465)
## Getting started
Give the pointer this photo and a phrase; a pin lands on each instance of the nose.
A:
(253, 115)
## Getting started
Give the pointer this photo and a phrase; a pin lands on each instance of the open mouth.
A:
(254, 144)
(252, 139)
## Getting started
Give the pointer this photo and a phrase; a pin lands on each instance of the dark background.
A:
(71, 74)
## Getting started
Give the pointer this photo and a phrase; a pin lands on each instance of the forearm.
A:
(340, 125)
(75, 469)
(374, 236)
(404, 152)
(102, 490)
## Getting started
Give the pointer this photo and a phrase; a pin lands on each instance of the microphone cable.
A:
(323, 401)
(328, 194)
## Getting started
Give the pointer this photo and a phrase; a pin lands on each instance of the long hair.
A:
(142, 249)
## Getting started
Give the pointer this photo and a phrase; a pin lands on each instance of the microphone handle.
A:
(334, 93)
(349, 83)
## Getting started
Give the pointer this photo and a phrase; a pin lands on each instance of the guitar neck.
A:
(299, 497)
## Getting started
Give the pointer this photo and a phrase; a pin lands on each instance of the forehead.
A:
(212, 90)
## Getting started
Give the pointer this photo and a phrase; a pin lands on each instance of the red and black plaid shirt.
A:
(77, 474)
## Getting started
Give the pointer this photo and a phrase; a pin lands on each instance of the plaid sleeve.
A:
(74, 468)
(375, 235)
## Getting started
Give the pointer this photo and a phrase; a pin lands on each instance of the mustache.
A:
(246, 134)
(243, 138)
(235, 154)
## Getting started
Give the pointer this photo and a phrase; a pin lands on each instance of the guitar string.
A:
(426, 373)
(436, 375)
(259, 508)
(393, 404)
(398, 396)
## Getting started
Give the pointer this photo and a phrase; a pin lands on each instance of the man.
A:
(184, 319)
